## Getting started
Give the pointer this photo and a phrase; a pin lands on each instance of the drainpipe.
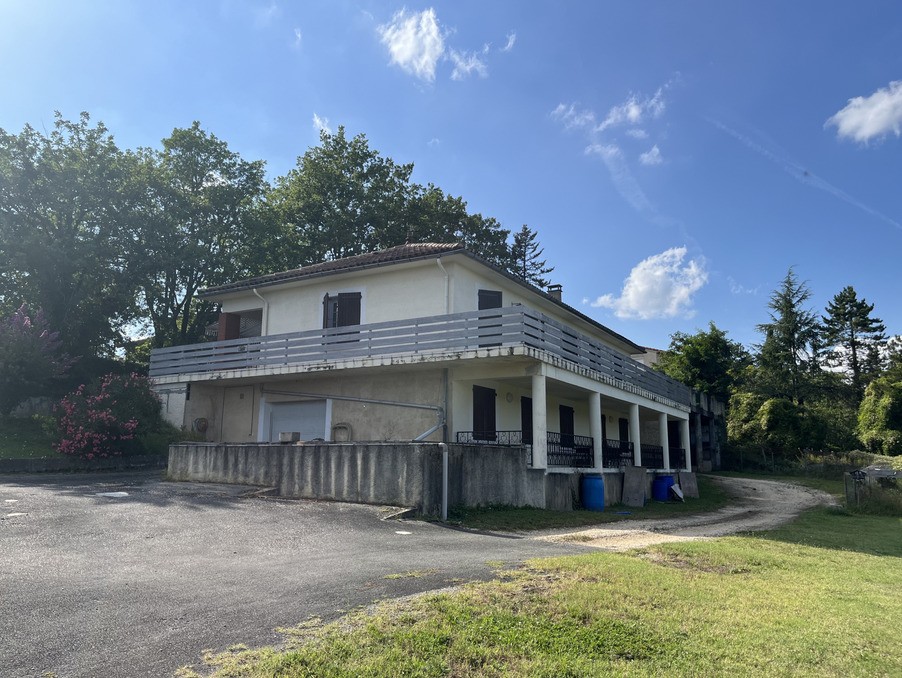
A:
(265, 322)
(447, 286)
(444, 447)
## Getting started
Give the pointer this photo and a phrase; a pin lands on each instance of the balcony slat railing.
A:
(511, 326)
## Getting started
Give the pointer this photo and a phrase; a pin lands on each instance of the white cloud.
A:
(511, 40)
(736, 288)
(433, 142)
(298, 37)
(651, 157)
(871, 117)
(637, 133)
(467, 63)
(414, 42)
(661, 286)
(573, 117)
(321, 124)
(634, 110)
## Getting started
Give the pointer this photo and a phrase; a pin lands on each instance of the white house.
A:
(423, 342)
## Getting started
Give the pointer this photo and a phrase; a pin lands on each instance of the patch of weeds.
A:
(411, 574)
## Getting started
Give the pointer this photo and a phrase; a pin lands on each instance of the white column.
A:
(539, 423)
(684, 438)
(665, 442)
(595, 429)
(634, 434)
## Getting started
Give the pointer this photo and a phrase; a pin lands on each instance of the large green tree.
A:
(527, 258)
(202, 226)
(344, 198)
(785, 359)
(856, 339)
(707, 361)
(68, 208)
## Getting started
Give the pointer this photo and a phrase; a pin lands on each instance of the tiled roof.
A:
(392, 255)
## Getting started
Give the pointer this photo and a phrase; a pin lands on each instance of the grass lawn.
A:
(508, 519)
(24, 439)
(832, 486)
(818, 597)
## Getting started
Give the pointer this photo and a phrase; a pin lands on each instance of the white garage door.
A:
(309, 418)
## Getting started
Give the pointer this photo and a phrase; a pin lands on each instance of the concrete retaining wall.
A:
(58, 465)
(398, 474)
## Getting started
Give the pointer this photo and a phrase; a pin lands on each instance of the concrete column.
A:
(539, 423)
(684, 437)
(595, 429)
(665, 443)
(634, 435)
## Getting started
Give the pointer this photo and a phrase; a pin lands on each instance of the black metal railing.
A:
(616, 453)
(566, 449)
(652, 456)
(677, 457)
(509, 438)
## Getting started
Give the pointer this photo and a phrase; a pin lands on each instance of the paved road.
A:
(138, 584)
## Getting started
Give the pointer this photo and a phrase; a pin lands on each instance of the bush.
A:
(119, 415)
(880, 417)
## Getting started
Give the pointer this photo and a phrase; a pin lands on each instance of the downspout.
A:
(265, 322)
(444, 447)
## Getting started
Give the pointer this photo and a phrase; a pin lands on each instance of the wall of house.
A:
(233, 412)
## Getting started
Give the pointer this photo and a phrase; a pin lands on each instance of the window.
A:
(341, 310)
(489, 299)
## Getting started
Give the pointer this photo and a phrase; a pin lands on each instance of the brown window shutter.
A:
(348, 308)
(326, 322)
(489, 299)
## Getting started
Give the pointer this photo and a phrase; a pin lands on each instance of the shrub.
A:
(118, 415)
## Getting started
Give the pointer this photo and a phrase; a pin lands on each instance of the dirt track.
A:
(758, 505)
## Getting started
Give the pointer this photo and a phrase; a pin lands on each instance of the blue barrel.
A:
(660, 488)
(592, 490)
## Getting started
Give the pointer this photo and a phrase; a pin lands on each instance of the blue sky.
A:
(675, 157)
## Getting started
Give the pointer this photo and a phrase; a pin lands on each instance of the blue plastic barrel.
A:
(660, 488)
(592, 490)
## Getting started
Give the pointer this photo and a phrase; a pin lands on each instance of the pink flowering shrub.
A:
(109, 418)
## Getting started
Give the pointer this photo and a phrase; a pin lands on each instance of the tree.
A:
(707, 361)
(31, 359)
(202, 227)
(342, 199)
(67, 211)
(856, 338)
(526, 255)
(880, 417)
(785, 356)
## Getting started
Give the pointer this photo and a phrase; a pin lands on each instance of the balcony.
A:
(564, 449)
(428, 337)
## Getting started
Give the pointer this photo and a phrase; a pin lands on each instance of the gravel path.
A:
(758, 505)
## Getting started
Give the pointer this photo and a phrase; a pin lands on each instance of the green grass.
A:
(24, 439)
(510, 519)
(819, 597)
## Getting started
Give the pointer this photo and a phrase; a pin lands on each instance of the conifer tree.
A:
(526, 255)
(855, 337)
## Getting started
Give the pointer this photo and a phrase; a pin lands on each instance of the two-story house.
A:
(423, 342)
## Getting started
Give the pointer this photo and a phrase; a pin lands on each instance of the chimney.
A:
(554, 291)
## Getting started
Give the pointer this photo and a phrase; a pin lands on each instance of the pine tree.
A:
(855, 337)
(790, 339)
(526, 253)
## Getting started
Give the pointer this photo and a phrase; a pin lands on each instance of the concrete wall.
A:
(398, 474)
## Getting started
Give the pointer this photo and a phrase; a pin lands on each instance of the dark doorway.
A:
(624, 429)
(484, 413)
(526, 420)
(567, 429)
(489, 325)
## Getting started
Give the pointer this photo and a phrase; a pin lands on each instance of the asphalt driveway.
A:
(127, 575)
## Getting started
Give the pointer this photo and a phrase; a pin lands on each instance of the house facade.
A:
(424, 342)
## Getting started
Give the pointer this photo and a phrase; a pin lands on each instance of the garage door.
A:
(308, 418)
